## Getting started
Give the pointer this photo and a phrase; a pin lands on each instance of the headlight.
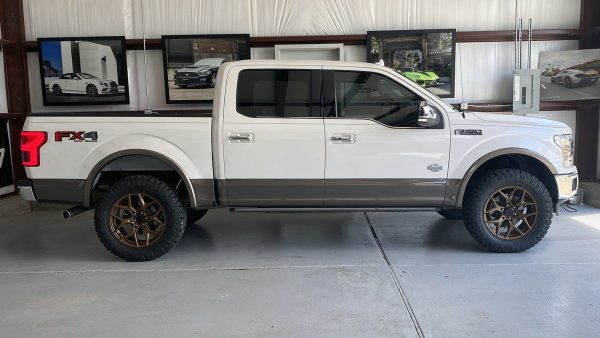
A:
(104, 84)
(205, 73)
(567, 148)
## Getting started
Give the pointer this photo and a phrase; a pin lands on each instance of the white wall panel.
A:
(57, 18)
(45, 18)
(483, 70)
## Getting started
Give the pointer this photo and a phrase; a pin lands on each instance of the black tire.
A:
(174, 217)
(452, 214)
(481, 191)
(568, 82)
(91, 90)
(56, 90)
(194, 215)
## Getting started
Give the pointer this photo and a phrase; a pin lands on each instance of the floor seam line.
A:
(403, 297)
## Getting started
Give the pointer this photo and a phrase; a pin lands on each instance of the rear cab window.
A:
(279, 93)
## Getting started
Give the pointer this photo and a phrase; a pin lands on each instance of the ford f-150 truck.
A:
(302, 136)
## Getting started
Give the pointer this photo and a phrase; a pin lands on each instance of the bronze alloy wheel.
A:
(511, 213)
(137, 220)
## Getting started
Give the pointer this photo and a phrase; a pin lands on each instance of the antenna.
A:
(520, 42)
(516, 33)
(529, 33)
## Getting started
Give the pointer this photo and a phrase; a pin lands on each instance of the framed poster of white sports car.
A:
(83, 70)
(570, 75)
(191, 63)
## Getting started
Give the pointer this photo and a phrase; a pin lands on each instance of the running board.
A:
(246, 209)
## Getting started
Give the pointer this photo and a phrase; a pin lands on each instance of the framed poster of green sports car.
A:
(424, 56)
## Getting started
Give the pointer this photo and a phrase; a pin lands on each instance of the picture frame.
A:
(424, 56)
(191, 63)
(79, 71)
(569, 75)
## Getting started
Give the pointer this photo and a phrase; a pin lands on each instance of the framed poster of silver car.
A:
(423, 56)
(191, 63)
(83, 70)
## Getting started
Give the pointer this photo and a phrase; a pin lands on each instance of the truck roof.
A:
(303, 63)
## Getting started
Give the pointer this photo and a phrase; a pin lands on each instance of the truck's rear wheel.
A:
(140, 218)
(508, 210)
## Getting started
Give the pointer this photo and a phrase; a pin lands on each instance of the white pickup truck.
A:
(302, 136)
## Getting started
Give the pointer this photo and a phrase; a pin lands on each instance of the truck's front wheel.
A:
(140, 218)
(508, 210)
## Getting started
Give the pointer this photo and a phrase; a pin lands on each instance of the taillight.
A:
(31, 142)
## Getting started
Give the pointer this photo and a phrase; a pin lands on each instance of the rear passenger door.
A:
(274, 150)
(376, 153)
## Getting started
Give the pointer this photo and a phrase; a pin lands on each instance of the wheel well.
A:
(129, 165)
(521, 162)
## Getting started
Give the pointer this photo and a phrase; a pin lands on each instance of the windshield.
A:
(86, 76)
(215, 62)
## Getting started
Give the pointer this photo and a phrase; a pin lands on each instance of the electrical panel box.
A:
(526, 91)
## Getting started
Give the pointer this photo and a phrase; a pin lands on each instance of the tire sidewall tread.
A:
(480, 192)
(175, 217)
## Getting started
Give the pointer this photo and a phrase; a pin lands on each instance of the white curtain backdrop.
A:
(483, 70)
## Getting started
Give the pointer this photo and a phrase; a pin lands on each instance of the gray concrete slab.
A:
(487, 300)
(43, 241)
(318, 274)
(427, 238)
(295, 302)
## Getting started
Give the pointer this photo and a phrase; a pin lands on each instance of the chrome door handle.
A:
(241, 138)
(343, 138)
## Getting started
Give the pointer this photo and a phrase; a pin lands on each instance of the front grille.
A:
(113, 85)
(182, 75)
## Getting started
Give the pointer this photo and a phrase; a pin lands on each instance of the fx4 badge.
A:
(468, 132)
(76, 136)
(435, 167)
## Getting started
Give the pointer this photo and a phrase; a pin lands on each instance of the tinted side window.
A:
(363, 95)
(274, 93)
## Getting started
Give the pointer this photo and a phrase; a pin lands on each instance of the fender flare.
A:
(462, 187)
(93, 175)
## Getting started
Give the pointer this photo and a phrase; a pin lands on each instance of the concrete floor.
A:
(320, 274)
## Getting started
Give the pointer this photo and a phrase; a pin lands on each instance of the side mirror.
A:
(429, 116)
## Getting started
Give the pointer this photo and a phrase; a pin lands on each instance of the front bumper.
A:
(26, 190)
(193, 81)
(567, 185)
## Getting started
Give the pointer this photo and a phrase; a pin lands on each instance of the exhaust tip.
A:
(74, 211)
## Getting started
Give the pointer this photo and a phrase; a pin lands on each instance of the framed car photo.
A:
(83, 70)
(423, 56)
(191, 63)
(570, 75)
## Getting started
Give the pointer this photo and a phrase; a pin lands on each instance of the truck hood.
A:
(521, 121)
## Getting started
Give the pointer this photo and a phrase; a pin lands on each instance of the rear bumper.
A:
(567, 185)
(53, 190)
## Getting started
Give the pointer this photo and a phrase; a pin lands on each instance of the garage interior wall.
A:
(483, 69)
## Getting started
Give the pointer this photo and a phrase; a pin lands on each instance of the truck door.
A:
(376, 153)
(273, 145)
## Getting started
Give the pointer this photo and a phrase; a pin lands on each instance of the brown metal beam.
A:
(361, 39)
